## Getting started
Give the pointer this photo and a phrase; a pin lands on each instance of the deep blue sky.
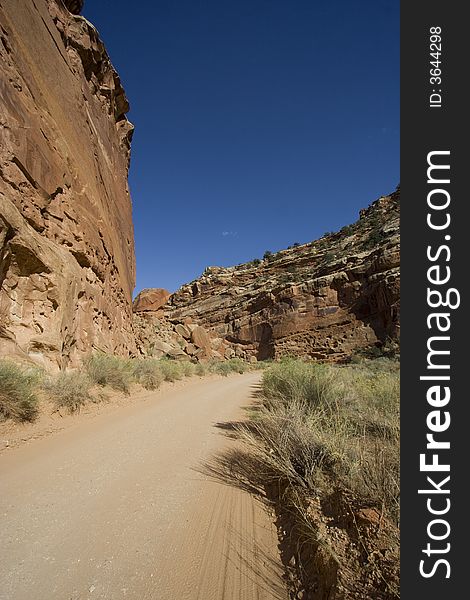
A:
(259, 123)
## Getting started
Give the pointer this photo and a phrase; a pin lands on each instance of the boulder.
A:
(229, 353)
(183, 331)
(191, 349)
(150, 299)
(178, 354)
(218, 343)
(162, 346)
(200, 338)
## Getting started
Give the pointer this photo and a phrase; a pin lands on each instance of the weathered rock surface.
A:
(67, 266)
(158, 336)
(323, 300)
(151, 299)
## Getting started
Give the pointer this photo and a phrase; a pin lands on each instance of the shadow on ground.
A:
(238, 468)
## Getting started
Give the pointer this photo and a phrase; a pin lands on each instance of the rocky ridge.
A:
(322, 300)
(67, 266)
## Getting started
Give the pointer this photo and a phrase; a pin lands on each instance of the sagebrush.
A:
(70, 390)
(18, 399)
(108, 370)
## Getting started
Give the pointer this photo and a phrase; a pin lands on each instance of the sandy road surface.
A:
(117, 508)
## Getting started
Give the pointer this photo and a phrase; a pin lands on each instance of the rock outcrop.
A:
(151, 300)
(157, 337)
(67, 267)
(323, 300)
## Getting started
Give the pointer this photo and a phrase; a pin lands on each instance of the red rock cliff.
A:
(67, 266)
(323, 300)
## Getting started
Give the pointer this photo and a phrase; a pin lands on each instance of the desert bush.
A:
(200, 369)
(237, 365)
(70, 390)
(171, 369)
(347, 229)
(375, 401)
(188, 368)
(18, 400)
(107, 370)
(220, 367)
(376, 237)
(147, 372)
(226, 367)
(329, 257)
(338, 422)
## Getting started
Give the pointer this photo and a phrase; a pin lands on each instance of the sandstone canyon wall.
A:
(323, 300)
(67, 266)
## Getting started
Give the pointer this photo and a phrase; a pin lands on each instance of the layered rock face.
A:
(67, 266)
(322, 300)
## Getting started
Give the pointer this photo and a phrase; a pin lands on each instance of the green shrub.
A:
(329, 257)
(69, 390)
(18, 400)
(376, 237)
(108, 370)
(147, 372)
(347, 230)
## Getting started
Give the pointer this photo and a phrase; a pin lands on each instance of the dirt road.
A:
(117, 507)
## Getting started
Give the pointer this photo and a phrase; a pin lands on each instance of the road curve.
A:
(117, 508)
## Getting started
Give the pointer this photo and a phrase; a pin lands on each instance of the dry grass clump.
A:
(293, 382)
(70, 390)
(323, 448)
(147, 373)
(200, 369)
(227, 367)
(107, 370)
(18, 400)
(341, 423)
(187, 368)
(171, 369)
